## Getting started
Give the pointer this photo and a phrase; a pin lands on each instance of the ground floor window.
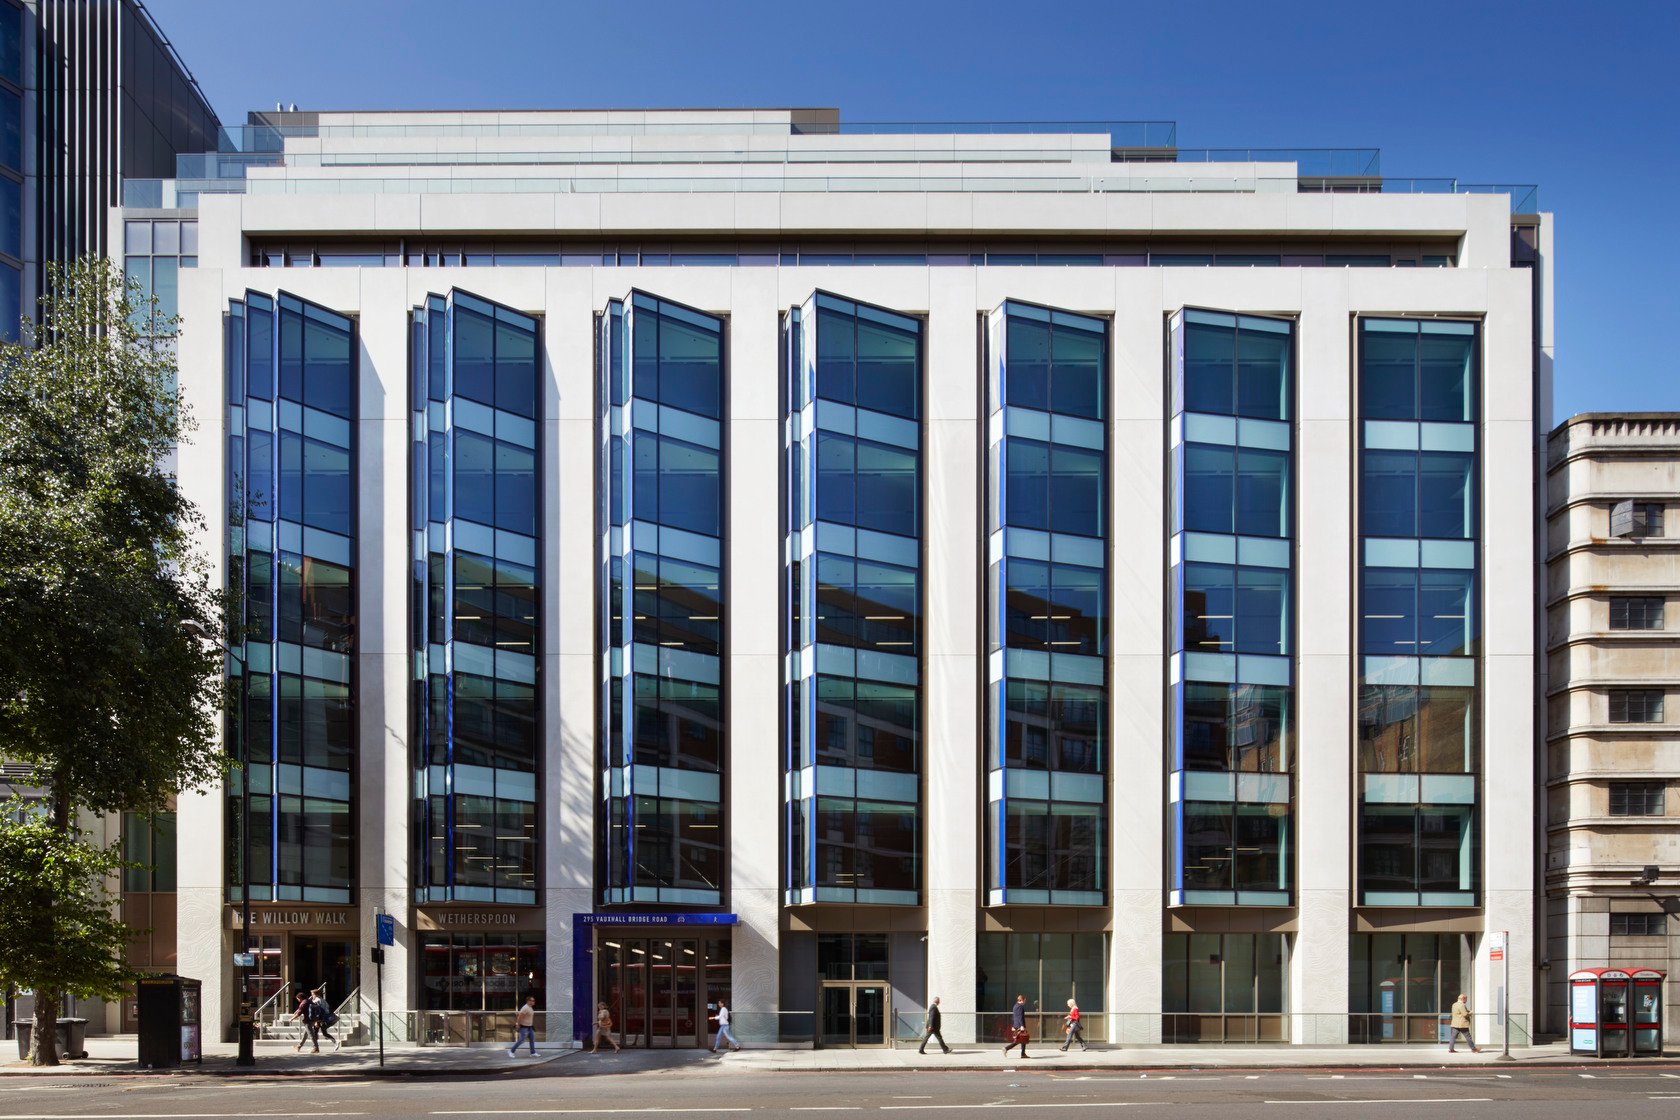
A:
(481, 971)
(1047, 968)
(1223, 987)
(1401, 986)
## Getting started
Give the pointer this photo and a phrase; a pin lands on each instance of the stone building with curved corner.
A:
(1610, 757)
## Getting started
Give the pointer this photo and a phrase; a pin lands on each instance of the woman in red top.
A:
(1072, 1026)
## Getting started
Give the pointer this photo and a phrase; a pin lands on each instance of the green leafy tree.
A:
(57, 918)
(109, 691)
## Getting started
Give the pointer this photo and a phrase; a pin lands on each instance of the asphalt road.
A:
(715, 1093)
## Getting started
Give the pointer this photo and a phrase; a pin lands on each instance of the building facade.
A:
(718, 555)
(1611, 752)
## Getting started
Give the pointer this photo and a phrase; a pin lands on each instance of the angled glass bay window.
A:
(1419, 746)
(291, 561)
(1232, 603)
(663, 615)
(1047, 522)
(476, 503)
(852, 599)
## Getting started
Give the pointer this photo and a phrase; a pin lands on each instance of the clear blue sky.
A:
(1580, 98)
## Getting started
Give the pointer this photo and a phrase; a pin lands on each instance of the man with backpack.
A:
(318, 1018)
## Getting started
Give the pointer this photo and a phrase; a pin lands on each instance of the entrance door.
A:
(318, 961)
(652, 988)
(853, 1014)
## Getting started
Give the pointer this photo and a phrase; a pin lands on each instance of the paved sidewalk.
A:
(116, 1054)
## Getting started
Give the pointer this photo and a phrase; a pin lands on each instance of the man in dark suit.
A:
(1018, 1026)
(930, 1028)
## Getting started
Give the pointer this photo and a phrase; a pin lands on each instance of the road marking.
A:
(1395, 1100)
(1252, 1077)
(553, 1111)
(826, 1108)
(1589, 1076)
(165, 1115)
(1503, 1076)
(1024, 1104)
(912, 1097)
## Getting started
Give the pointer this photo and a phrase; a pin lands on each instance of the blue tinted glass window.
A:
(1027, 485)
(1076, 499)
(475, 356)
(1388, 599)
(1027, 364)
(11, 207)
(1262, 611)
(888, 369)
(1076, 381)
(290, 325)
(1263, 359)
(11, 44)
(691, 366)
(1388, 374)
(1209, 485)
(1026, 603)
(1240, 727)
(886, 489)
(166, 286)
(437, 476)
(1446, 495)
(259, 475)
(11, 301)
(688, 485)
(1446, 365)
(11, 129)
(516, 369)
(1388, 494)
(1446, 610)
(1262, 493)
(326, 487)
(836, 479)
(328, 380)
(516, 489)
(1209, 372)
(836, 357)
(475, 477)
(259, 343)
(1210, 608)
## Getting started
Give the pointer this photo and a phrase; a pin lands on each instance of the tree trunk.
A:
(43, 1041)
(43, 1037)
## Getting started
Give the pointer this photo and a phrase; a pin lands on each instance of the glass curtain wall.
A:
(1231, 692)
(1047, 968)
(852, 593)
(1419, 751)
(1046, 607)
(662, 368)
(475, 546)
(1223, 987)
(1401, 986)
(291, 381)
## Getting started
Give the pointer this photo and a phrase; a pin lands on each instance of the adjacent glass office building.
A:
(477, 509)
(664, 731)
(1419, 747)
(923, 580)
(853, 669)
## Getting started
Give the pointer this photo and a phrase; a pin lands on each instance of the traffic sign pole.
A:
(385, 933)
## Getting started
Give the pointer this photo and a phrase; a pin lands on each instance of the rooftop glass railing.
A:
(1350, 163)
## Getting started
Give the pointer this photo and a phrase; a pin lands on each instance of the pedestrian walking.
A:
(930, 1028)
(323, 1017)
(300, 1014)
(1071, 1028)
(1461, 1025)
(723, 1031)
(603, 1029)
(525, 1027)
(1018, 1027)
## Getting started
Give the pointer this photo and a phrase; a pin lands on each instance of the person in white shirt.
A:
(723, 1032)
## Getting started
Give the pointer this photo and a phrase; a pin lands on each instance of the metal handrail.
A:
(279, 992)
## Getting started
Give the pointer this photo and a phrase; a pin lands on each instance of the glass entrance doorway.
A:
(318, 961)
(662, 992)
(853, 1014)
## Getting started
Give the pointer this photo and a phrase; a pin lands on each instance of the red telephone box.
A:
(1616, 1012)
